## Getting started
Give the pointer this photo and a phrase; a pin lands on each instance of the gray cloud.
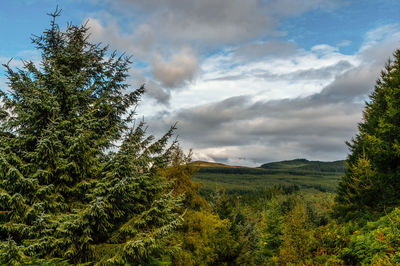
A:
(259, 51)
(181, 68)
(264, 131)
(352, 85)
(208, 22)
(212, 22)
(239, 121)
(155, 91)
(138, 43)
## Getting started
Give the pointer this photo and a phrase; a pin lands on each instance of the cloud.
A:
(321, 73)
(301, 127)
(259, 51)
(252, 130)
(384, 34)
(158, 93)
(138, 43)
(352, 85)
(175, 72)
(153, 89)
(208, 22)
(217, 22)
(258, 98)
(179, 69)
(170, 35)
(299, 75)
(290, 8)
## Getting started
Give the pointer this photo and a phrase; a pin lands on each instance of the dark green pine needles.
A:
(372, 183)
(78, 182)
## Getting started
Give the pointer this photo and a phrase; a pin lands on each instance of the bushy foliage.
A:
(296, 236)
(292, 228)
(205, 240)
(378, 243)
(328, 242)
(243, 226)
(75, 176)
(179, 173)
(271, 225)
(291, 236)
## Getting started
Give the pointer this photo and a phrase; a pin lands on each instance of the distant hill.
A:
(305, 165)
(305, 174)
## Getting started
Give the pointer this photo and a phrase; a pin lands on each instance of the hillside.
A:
(302, 173)
(305, 165)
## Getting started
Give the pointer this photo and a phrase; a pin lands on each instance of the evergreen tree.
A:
(77, 180)
(296, 236)
(372, 180)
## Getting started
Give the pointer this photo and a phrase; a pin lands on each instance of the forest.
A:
(83, 183)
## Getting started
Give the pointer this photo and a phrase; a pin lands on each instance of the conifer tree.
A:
(78, 181)
(372, 181)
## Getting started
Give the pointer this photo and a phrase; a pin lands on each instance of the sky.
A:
(248, 82)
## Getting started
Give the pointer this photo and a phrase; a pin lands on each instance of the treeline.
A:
(302, 171)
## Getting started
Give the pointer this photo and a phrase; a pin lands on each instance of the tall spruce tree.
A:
(372, 181)
(77, 180)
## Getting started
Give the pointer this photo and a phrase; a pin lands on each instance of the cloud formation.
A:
(241, 92)
(175, 72)
(169, 35)
(138, 43)
(321, 73)
(247, 130)
(209, 22)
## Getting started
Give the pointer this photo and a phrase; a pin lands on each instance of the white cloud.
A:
(224, 76)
